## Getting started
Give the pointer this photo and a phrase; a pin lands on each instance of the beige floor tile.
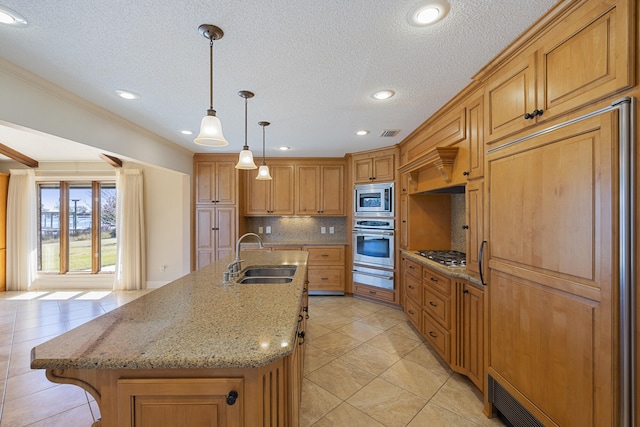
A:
(341, 378)
(387, 403)
(433, 415)
(76, 417)
(425, 356)
(25, 384)
(405, 328)
(415, 378)
(315, 330)
(383, 319)
(346, 415)
(336, 343)
(460, 396)
(38, 406)
(394, 343)
(360, 330)
(45, 331)
(317, 403)
(330, 320)
(370, 358)
(315, 358)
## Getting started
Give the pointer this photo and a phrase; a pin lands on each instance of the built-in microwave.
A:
(373, 199)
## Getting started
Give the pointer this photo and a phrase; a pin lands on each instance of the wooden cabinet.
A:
(371, 292)
(469, 357)
(582, 58)
(475, 222)
(295, 365)
(436, 316)
(215, 233)
(215, 182)
(475, 137)
(326, 269)
(412, 291)
(320, 190)
(148, 402)
(4, 186)
(271, 197)
(373, 167)
(216, 212)
(425, 221)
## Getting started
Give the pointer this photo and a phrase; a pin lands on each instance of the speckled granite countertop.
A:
(459, 272)
(193, 322)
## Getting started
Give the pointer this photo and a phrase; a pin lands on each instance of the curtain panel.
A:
(21, 230)
(130, 246)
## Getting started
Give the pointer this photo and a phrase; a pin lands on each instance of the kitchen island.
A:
(194, 352)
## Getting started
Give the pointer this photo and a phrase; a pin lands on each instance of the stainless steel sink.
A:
(266, 280)
(275, 271)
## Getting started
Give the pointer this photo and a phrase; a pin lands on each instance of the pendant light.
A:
(210, 127)
(263, 172)
(245, 161)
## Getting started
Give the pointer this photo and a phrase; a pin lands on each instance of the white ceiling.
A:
(312, 64)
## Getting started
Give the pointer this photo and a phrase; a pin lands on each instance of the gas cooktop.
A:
(448, 258)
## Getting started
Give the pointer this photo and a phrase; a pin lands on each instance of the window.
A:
(77, 228)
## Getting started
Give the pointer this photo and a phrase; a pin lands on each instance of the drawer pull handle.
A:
(324, 278)
(411, 267)
(372, 292)
(301, 335)
(324, 255)
(411, 312)
(410, 286)
(431, 334)
(433, 279)
(431, 303)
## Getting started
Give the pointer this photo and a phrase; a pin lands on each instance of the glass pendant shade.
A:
(211, 132)
(245, 161)
(263, 173)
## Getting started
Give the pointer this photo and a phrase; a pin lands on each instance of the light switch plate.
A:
(268, 229)
(331, 230)
(260, 230)
(323, 230)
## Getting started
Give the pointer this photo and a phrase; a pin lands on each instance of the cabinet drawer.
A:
(413, 288)
(326, 278)
(322, 255)
(413, 268)
(371, 292)
(413, 312)
(438, 306)
(437, 336)
(437, 281)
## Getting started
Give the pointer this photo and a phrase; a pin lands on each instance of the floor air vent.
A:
(509, 407)
(389, 132)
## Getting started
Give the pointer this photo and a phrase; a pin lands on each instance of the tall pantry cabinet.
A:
(216, 195)
(4, 186)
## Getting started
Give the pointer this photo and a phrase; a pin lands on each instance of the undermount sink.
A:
(266, 280)
(275, 271)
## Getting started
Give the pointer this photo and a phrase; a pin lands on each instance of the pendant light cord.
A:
(246, 147)
(211, 73)
(263, 161)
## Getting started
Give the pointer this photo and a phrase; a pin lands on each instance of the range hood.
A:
(456, 189)
(432, 173)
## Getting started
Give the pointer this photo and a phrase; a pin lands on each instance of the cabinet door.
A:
(476, 137)
(328, 278)
(404, 221)
(205, 182)
(282, 190)
(205, 224)
(383, 168)
(258, 195)
(475, 222)
(215, 183)
(473, 334)
(180, 402)
(362, 171)
(509, 95)
(308, 190)
(585, 57)
(332, 190)
(225, 231)
(225, 183)
(325, 255)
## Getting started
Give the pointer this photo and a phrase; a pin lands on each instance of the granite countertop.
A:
(193, 322)
(297, 243)
(459, 272)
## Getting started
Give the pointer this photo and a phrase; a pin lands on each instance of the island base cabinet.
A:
(150, 402)
(268, 396)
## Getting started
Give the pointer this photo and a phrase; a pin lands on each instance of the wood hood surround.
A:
(439, 158)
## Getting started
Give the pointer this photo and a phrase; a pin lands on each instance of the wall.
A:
(300, 229)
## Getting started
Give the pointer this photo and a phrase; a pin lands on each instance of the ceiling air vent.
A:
(387, 133)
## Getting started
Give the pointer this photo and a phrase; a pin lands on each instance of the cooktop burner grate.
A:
(448, 258)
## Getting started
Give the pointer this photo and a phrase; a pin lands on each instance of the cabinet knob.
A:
(232, 397)
(465, 227)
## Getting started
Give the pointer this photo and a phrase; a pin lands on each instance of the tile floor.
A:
(364, 366)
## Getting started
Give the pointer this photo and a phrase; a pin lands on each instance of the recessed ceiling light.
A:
(127, 94)
(383, 94)
(428, 12)
(284, 148)
(11, 17)
(362, 132)
(186, 132)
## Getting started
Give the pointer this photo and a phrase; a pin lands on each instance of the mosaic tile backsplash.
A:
(300, 229)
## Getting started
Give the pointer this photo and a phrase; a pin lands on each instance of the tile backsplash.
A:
(299, 229)
(458, 220)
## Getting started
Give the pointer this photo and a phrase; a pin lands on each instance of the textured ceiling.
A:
(312, 64)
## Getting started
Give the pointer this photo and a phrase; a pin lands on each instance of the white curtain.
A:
(21, 230)
(130, 247)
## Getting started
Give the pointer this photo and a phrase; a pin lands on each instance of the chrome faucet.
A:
(234, 268)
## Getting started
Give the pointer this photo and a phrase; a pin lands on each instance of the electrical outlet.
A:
(260, 230)
(163, 268)
(323, 230)
(268, 229)
(331, 230)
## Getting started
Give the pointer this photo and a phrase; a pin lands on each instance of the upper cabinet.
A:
(215, 182)
(270, 197)
(582, 58)
(373, 167)
(320, 189)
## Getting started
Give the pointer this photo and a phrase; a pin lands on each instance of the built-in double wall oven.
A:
(373, 252)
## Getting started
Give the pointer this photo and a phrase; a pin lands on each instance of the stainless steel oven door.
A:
(373, 247)
(371, 277)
